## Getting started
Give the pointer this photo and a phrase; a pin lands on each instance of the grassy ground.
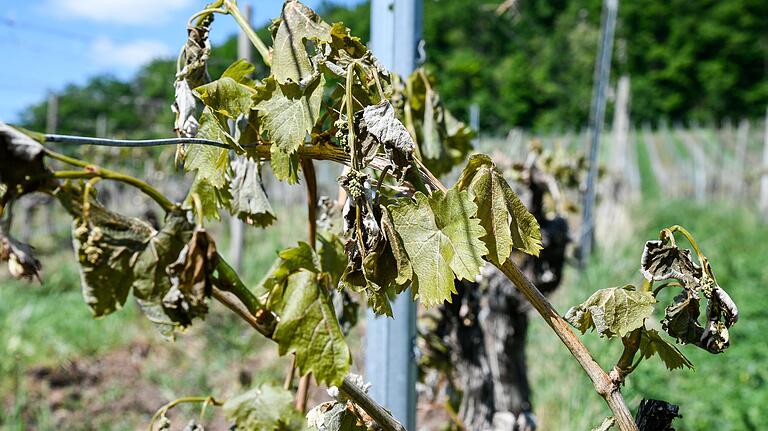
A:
(725, 392)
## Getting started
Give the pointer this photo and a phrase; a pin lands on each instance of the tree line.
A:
(528, 65)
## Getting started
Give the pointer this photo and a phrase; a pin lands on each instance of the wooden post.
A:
(52, 114)
(764, 173)
(596, 118)
(390, 363)
(474, 122)
(740, 159)
(620, 153)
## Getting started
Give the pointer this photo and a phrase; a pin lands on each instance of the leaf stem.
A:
(350, 117)
(246, 27)
(92, 171)
(164, 409)
(631, 343)
(311, 179)
(689, 237)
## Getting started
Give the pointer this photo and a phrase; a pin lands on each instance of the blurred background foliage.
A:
(530, 66)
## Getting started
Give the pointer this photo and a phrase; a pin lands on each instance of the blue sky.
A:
(46, 44)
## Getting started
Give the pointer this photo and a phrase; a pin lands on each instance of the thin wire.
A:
(82, 140)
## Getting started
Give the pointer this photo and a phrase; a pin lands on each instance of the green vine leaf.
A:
(612, 311)
(442, 238)
(248, 198)
(210, 162)
(211, 199)
(240, 71)
(651, 343)
(291, 62)
(264, 408)
(506, 220)
(288, 114)
(226, 96)
(308, 327)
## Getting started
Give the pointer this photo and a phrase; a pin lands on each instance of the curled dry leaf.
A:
(190, 279)
(249, 199)
(184, 106)
(22, 262)
(21, 163)
(194, 73)
(663, 261)
(381, 123)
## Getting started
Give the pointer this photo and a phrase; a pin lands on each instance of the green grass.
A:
(725, 392)
(648, 184)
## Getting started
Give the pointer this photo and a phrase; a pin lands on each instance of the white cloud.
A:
(117, 11)
(106, 52)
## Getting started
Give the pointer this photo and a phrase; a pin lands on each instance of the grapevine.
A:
(401, 225)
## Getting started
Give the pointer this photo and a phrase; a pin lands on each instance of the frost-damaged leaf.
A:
(385, 270)
(612, 311)
(404, 269)
(152, 282)
(20, 256)
(106, 245)
(504, 217)
(291, 62)
(21, 163)
(341, 413)
(432, 147)
(652, 343)
(288, 114)
(664, 261)
(210, 162)
(308, 327)
(190, 279)
(335, 416)
(194, 56)
(381, 123)
(264, 408)
(249, 199)
(442, 238)
(185, 108)
(681, 318)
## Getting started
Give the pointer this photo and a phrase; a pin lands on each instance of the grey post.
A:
(236, 226)
(390, 363)
(596, 118)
